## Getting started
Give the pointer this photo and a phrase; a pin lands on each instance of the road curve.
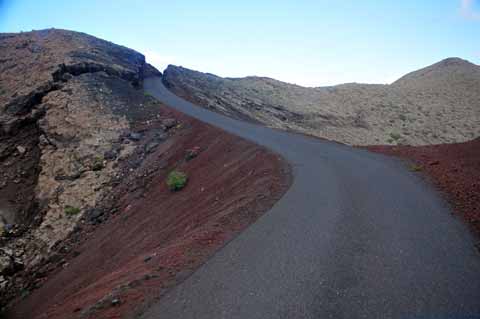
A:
(356, 236)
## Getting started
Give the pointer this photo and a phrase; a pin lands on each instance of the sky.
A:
(310, 43)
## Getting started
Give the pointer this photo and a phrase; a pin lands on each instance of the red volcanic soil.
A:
(453, 168)
(158, 237)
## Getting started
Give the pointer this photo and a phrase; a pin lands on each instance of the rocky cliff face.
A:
(438, 104)
(72, 114)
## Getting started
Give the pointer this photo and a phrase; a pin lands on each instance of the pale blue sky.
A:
(306, 42)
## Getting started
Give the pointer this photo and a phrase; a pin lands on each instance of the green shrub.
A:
(70, 210)
(416, 168)
(176, 180)
(97, 163)
(395, 136)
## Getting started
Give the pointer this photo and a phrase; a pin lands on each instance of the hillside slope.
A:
(64, 118)
(438, 104)
(84, 155)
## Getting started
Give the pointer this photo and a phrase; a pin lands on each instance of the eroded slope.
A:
(439, 104)
(85, 216)
(64, 123)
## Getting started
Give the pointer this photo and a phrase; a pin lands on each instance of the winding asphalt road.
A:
(356, 236)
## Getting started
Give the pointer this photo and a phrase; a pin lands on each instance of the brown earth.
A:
(157, 237)
(88, 228)
(453, 168)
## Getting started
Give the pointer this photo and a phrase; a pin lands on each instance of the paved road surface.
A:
(356, 236)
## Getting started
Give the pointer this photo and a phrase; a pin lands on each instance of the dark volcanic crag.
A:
(65, 118)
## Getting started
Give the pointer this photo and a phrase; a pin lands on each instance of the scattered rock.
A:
(147, 259)
(135, 136)
(433, 163)
(21, 150)
(149, 276)
(169, 123)
(6, 264)
(10, 230)
(116, 302)
(110, 155)
(3, 283)
(95, 215)
(66, 77)
(75, 175)
(150, 147)
(192, 153)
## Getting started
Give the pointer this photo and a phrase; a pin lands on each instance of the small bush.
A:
(70, 210)
(176, 180)
(97, 163)
(416, 168)
(395, 136)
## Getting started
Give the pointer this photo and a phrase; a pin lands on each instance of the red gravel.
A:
(158, 237)
(453, 168)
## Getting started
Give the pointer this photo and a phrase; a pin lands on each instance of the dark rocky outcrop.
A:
(67, 99)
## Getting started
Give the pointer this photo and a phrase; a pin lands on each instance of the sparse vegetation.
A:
(432, 98)
(71, 210)
(395, 136)
(98, 163)
(176, 180)
(415, 168)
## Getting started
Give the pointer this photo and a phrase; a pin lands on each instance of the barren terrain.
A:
(90, 229)
(435, 105)
(86, 218)
(356, 235)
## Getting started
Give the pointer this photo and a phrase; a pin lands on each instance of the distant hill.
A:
(434, 105)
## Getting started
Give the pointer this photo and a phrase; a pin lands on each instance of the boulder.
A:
(135, 136)
(169, 123)
(6, 264)
(21, 150)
